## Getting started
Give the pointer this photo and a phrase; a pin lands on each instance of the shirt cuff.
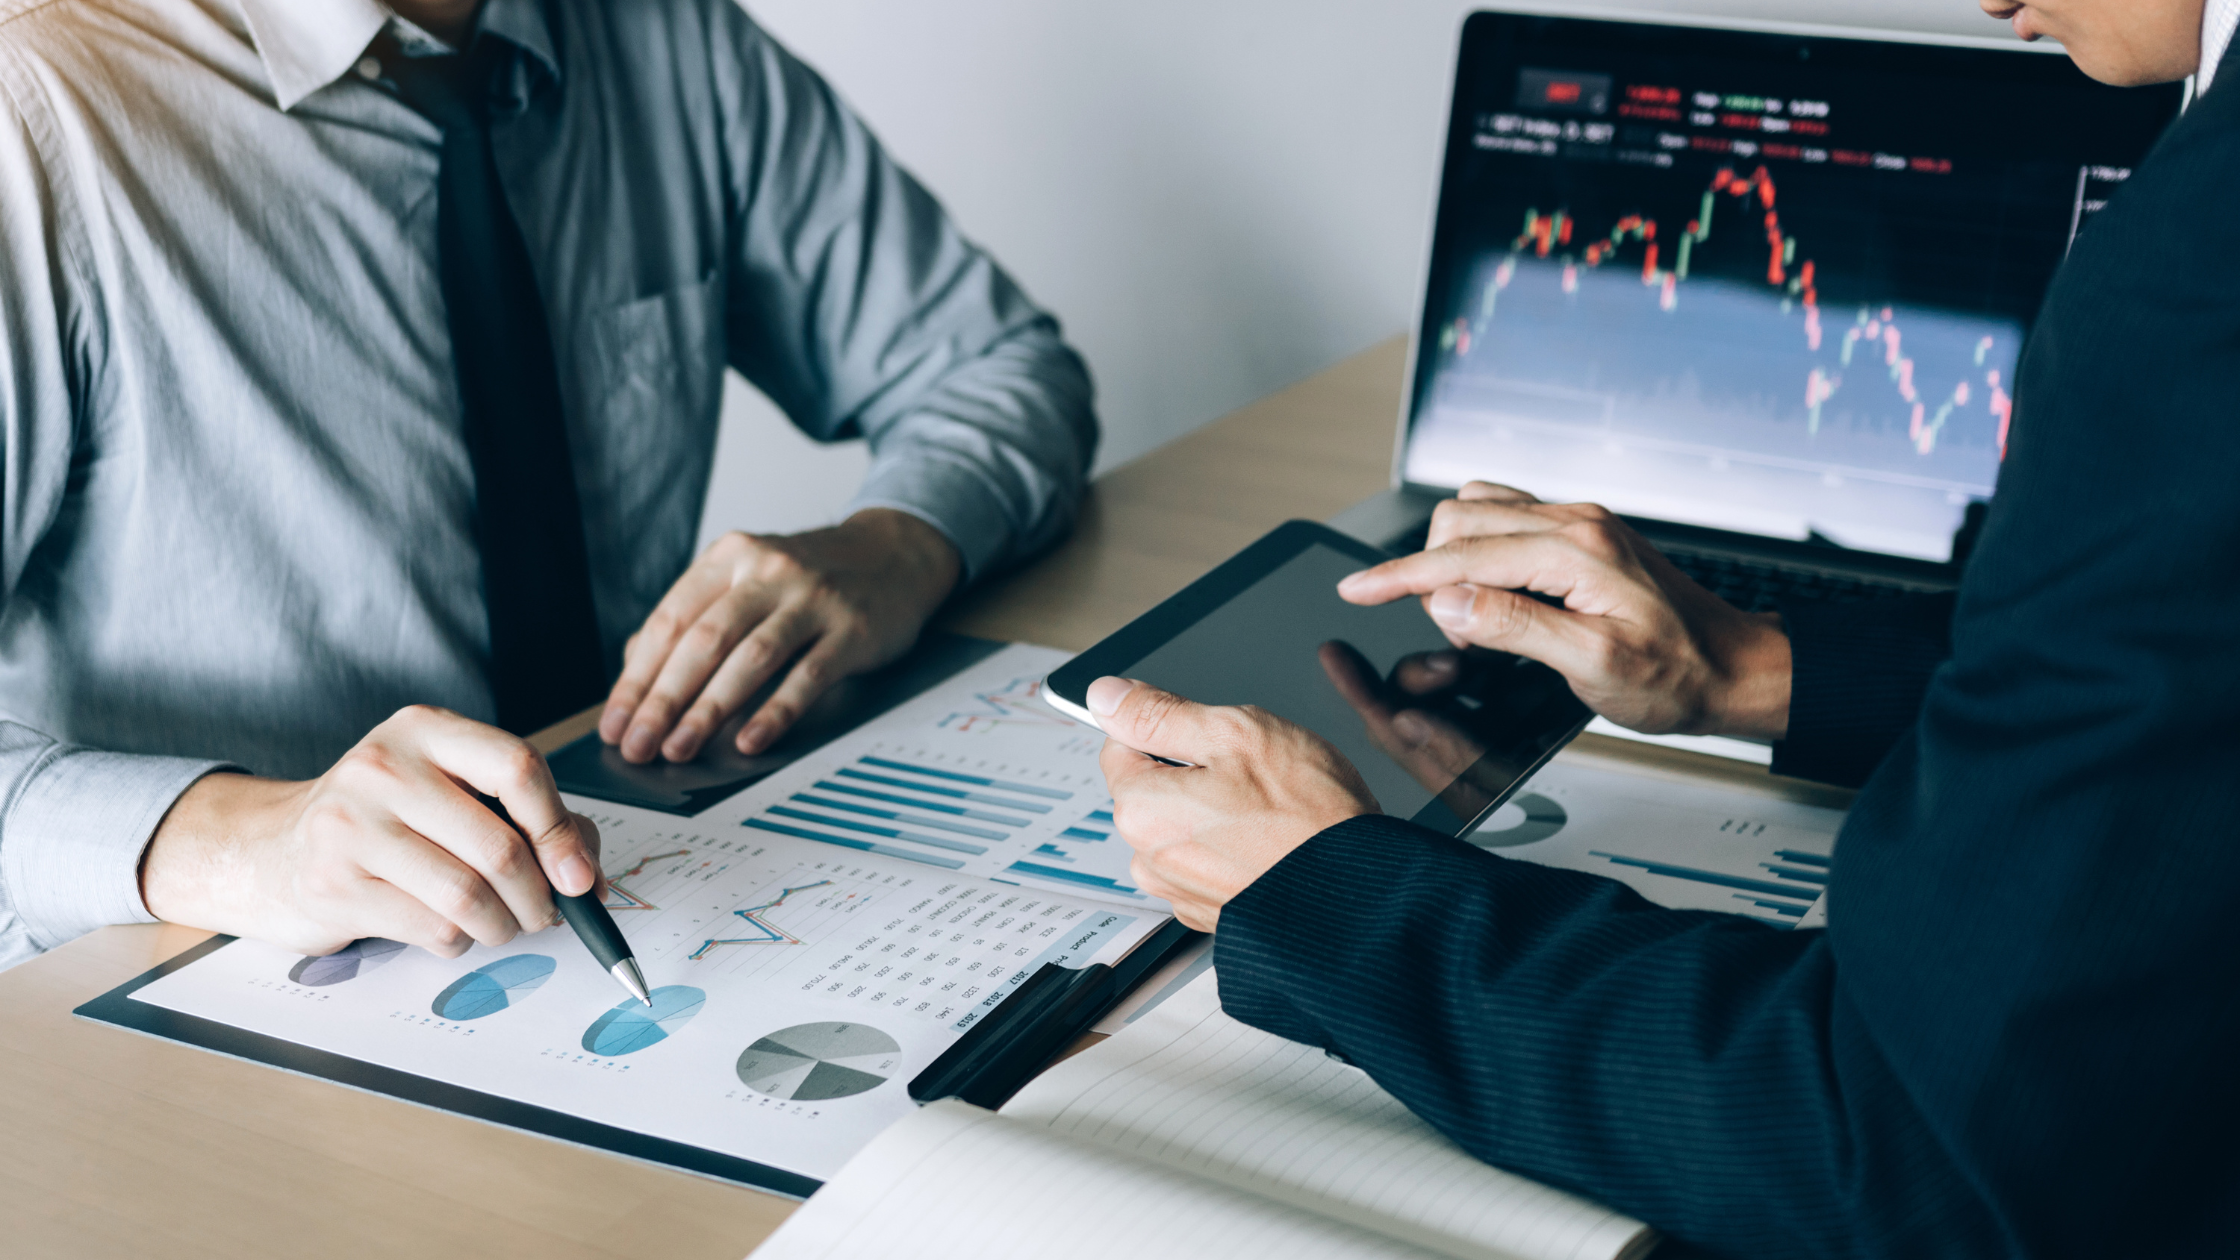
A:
(951, 497)
(71, 840)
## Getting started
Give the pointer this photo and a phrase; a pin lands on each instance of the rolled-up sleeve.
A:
(858, 307)
(73, 821)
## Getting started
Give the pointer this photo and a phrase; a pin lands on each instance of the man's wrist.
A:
(924, 552)
(198, 869)
(1753, 698)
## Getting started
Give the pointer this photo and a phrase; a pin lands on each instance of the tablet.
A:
(1441, 737)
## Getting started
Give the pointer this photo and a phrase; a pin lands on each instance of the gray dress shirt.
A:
(236, 503)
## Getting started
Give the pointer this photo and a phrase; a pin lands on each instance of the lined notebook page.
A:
(954, 1182)
(1189, 1088)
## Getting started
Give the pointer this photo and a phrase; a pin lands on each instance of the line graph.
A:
(1017, 703)
(621, 898)
(771, 933)
(1549, 234)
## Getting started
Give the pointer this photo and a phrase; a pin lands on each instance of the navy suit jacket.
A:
(2020, 1033)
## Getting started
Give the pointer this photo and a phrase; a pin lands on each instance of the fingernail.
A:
(1442, 662)
(682, 744)
(574, 876)
(1450, 605)
(639, 744)
(1105, 695)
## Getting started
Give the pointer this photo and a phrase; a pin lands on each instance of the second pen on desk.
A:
(593, 926)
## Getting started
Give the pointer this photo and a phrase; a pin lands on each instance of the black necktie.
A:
(545, 658)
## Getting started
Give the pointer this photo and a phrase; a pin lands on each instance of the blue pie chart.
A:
(492, 987)
(347, 963)
(633, 1025)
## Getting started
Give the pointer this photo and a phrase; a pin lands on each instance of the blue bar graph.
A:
(1791, 872)
(1781, 907)
(1028, 789)
(1077, 877)
(1760, 886)
(1051, 851)
(952, 793)
(1802, 858)
(847, 842)
(891, 833)
(870, 811)
(958, 810)
(1100, 815)
(1083, 833)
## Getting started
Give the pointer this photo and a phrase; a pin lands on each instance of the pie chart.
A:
(347, 963)
(808, 1062)
(1527, 817)
(492, 988)
(632, 1026)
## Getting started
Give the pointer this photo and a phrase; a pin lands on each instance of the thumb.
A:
(1149, 720)
(1507, 621)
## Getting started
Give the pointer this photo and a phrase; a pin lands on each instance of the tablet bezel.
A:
(1067, 688)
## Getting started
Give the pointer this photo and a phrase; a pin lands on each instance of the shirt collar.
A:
(2218, 20)
(307, 44)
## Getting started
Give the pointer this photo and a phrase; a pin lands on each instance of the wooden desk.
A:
(124, 1146)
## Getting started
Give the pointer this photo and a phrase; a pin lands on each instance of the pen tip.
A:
(632, 979)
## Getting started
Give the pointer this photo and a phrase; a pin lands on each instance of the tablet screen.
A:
(1440, 736)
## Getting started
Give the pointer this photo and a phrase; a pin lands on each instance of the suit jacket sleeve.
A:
(2016, 1036)
(1858, 674)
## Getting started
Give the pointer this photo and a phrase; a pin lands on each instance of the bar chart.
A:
(936, 805)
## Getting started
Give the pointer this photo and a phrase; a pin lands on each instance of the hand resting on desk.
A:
(1639, 641)
(389, 842)
(842, 600)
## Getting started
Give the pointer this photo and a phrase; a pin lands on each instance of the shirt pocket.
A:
(657, 361)
(644, 437)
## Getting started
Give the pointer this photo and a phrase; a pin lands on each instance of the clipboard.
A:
(997, 1056)
(1010, 1040)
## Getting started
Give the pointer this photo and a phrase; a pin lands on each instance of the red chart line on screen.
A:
(1549, 233)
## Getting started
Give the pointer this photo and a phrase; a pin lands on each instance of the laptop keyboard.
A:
(1755, 586)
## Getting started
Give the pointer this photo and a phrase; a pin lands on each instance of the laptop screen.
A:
(1762, 283)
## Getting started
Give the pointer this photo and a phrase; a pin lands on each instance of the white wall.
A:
(1217, 197)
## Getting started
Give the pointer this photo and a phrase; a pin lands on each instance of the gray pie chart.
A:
(809, 1062)
(1542, 818)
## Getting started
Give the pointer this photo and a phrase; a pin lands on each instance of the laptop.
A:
(1760, 290)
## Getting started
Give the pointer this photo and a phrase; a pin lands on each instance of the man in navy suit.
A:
(2019, 1033)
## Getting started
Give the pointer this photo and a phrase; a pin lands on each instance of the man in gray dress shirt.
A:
(237, 526)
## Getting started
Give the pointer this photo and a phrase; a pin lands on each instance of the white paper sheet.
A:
(1685, 845)
(1189, 1088)
(800, 984)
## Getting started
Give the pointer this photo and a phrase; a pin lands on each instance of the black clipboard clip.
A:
(1041, 1017)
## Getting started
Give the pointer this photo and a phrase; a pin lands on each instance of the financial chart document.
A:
(811, 944)
(1687, 846)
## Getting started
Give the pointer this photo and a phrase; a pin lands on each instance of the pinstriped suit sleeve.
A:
(1858, 675)
(1703, 1072)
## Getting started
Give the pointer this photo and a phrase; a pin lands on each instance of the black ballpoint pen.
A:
(594, 926)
